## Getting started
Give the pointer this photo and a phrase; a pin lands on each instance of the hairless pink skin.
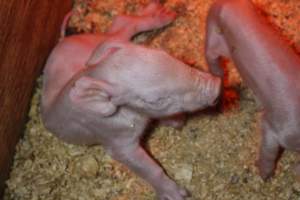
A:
(268, 66)
(103, 89)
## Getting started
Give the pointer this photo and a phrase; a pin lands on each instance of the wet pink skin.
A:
(102, 89)
(267, 64)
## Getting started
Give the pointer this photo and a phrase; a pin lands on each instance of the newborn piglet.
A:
(267, 65)
(102, 89)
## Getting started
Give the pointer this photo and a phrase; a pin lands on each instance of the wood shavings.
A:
(213, 156)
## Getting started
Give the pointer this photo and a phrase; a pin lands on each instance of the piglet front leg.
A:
(137, 160)
(176, 121)
(94, 96)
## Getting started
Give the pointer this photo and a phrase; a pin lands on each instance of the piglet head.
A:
(151, 81)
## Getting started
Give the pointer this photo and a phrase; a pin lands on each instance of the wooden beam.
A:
(29, 30)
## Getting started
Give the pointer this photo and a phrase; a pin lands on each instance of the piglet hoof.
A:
(177, 121)
(266, 171)
(173, 192)
(164, 16)
(160, 15)
(174, 124)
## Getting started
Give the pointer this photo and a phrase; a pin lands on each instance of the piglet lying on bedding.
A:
(104, 89)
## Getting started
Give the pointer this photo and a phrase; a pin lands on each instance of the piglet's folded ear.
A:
(93, 96)
(104, 50)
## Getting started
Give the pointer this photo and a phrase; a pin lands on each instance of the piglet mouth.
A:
(216, 101)
(215, 91)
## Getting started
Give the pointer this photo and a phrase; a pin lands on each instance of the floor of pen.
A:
(213, 156)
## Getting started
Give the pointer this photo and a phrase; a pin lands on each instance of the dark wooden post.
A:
(29, 30)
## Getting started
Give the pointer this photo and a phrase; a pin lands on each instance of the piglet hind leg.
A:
(269, 151)
(136, 159)
(154, 16)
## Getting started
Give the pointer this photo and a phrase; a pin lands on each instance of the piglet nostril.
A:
(216, 101)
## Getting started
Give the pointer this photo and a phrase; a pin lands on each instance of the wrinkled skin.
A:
(268, 66)
(103, 89)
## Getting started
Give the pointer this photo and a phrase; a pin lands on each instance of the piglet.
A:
(102, 89)
(268, 66)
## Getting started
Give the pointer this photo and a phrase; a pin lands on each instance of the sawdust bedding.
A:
(213, 155)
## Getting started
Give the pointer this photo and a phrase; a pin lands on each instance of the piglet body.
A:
(268, 66)
(106, 90)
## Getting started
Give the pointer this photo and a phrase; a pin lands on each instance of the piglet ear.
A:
(103, 51)
(93, 95)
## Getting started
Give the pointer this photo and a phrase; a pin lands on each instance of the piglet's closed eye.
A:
(92, 95)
